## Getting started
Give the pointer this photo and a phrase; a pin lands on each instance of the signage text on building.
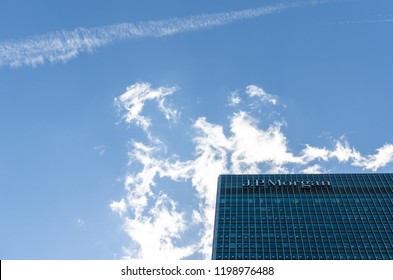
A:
(308, 184)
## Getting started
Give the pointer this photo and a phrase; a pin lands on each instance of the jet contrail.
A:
(62, 46)
(385, 20)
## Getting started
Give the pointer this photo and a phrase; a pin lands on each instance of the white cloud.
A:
(253, 146)
(210, 146)
(79, 222)
(211, 159)
(254, 91)
(343, 152)
(313, 169)
(156, 232)
(313, 153)
(101, 149)
(383, 157)
(158, 222)
(133, 101)
(119, 207)
(64, 45)
(234, 99)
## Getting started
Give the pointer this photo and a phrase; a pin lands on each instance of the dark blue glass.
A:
(304, 217)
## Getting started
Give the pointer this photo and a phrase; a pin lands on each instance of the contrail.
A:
(380, 20)
(386, 20)
(61, 46)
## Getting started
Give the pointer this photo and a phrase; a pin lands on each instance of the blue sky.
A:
(117, 117)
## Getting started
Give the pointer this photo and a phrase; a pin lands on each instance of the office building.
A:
(304, 217)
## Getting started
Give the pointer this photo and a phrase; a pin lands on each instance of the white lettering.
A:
(270, 183)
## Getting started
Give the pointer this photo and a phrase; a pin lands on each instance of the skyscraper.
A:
(304, 217)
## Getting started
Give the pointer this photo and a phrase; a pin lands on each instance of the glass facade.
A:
(304, 217)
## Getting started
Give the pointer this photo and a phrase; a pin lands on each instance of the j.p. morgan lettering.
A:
(260, 183)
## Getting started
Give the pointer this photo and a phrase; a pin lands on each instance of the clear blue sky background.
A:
(71, 163)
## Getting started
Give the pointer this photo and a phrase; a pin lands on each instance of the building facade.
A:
(304, 217)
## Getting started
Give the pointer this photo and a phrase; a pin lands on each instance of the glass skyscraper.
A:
(304, 217)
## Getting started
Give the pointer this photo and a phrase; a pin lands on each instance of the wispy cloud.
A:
(101, 149)
(254, 98)
(234, 99)
(385, 20)
(61, 46)
(159, 223)
(377, 19)
(119, 207)
(131, 103)
(313, 169)
(156, 232)
(79, 222)
(255, 91)
(374, 162)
